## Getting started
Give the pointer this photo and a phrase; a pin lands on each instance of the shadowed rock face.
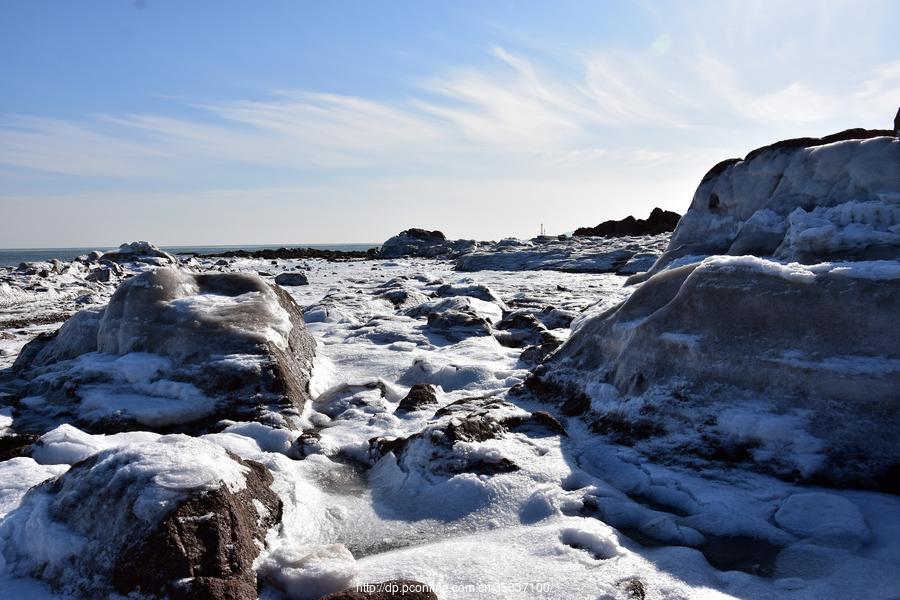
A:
(659, 221)
(228, 342)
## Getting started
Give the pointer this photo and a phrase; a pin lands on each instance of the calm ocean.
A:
(14, 256)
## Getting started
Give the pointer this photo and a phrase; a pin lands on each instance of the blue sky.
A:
(230, 122)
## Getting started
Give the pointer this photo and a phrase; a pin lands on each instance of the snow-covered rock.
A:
(170, 350)
(140, 252)
(751, 347)
(418, 242)
(176, 517)
(811, 199)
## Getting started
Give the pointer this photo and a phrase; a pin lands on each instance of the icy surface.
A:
(473, 495)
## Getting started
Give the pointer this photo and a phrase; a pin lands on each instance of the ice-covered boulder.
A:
(788, 367)
(172, 351)
(424, 244)
(139, 252)
(178, 517)
(808, 199)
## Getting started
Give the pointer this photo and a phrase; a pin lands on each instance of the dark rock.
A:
(400, 589)
(296, 278)
(294, 253)
(425, 235)
(210, 539)
(14, 445)
(897, 123)
(419, 396)
(660, 221)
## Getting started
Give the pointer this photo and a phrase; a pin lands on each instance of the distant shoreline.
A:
(11, 257)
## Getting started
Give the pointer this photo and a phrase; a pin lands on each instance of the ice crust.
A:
(581, 514)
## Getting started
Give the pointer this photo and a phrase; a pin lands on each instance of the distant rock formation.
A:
(424, 244)
(295, 253)
(660, 221)
(196, 348)
(139, 252)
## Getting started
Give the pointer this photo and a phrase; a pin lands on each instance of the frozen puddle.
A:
(440, 495)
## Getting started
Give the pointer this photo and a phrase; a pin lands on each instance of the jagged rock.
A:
(173, 351)
(291, 279)
(177, 518)
(420, 396)
(659, 221)
(398, 589)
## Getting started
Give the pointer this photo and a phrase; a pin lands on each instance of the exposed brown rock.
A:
(419, 396)
(210, 540)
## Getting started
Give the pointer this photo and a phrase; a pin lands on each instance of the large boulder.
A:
(659, 221)
(808, 199)
(178, 517)
(781, 349)
(797, 365)
(173, 351)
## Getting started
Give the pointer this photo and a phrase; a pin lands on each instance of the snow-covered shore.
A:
(509, 421)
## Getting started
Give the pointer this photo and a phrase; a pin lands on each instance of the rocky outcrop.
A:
(783, 367)
(807, 199)
(739, 351)
(659, 221)
(176, 518)
(172, 351)
(423, 244)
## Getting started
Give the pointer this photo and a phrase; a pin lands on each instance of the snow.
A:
(827, 518)
(581, 516)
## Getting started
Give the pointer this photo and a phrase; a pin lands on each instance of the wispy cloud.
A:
(512, 107)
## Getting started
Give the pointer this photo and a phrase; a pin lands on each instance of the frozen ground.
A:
(470, 495)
